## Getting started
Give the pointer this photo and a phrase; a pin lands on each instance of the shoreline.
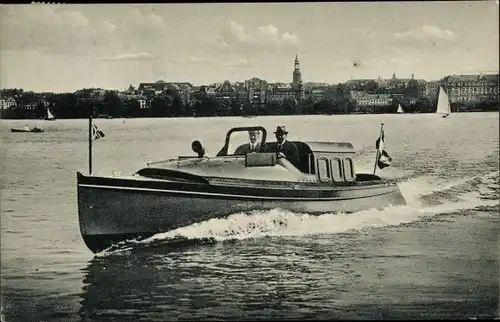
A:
(239, 116)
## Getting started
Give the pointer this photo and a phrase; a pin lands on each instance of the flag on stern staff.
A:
(96, 132)
(384, 160)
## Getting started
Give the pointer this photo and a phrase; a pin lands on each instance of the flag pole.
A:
(90, 140)
(380, 140)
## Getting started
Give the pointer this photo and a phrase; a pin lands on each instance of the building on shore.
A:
(362, 98)
(365, 101)
(144, 103)
(151, 89)
(431, 91)
(471, 89)
(279, 92)
(7, 102)
(255, 91)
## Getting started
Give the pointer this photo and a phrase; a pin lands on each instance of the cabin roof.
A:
(317, 146)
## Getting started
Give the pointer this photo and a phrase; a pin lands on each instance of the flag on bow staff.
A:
(383, 159)
(96, 132)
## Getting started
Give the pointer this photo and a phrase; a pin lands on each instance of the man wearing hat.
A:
(285, 148)
(252, 146)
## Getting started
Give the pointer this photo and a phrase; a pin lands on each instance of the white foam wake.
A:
(415, 188)
(279, 222)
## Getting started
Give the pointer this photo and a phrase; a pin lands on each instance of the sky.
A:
(62, 48)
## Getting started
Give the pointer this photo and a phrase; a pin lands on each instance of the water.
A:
(437, 257)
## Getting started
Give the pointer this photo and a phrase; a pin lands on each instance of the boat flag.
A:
(383, 158)
(96, 132)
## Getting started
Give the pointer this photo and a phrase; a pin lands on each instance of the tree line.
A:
(334, 100)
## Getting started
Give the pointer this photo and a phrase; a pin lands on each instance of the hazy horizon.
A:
(62, 48)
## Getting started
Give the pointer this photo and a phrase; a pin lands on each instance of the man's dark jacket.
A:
(290, 151)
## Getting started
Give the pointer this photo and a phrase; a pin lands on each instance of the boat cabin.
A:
(329, 162)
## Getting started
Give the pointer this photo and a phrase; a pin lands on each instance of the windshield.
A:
(239, 139)
(242, 140)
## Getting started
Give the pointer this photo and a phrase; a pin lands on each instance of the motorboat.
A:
(33, 130)
(165, 195)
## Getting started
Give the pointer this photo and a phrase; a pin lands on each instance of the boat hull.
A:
(113, 210)
(27, 131)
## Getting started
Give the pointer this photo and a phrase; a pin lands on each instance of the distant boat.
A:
(400, 109)
(49, 116)
(443, 105)
(33, 130)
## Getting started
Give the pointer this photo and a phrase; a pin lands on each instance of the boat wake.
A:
(426, 197)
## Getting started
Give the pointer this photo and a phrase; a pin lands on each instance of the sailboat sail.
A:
(400, 109)
(443, 106)
(49, 115)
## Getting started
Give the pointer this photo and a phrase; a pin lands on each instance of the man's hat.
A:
(281, 129)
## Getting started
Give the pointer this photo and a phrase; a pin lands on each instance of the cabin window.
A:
(348, 169)
(337, 170)
(312, 169)
(323, 169)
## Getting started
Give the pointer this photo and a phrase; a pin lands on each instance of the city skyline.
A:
(62, 48)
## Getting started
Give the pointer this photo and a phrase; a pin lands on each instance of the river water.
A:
(436, 257)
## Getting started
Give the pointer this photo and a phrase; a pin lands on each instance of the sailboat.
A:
(443, 105)
(50, 116)
(400, 109)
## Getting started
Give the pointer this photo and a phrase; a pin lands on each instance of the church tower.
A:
(297, 75)
(297, 79)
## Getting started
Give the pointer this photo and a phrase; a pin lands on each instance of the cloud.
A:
(237, 63)
(220, 43)
(74, 30)
(290, 39)
(269, 31)
(238, 33)
(266, 38)
(408, 61)
(109, 26)
(426, 33)
(51, 29)
(44, 16)
(192, 60)
(221, 61)
(137, 56)
(143, 25)
(377, 62)
(268, 35)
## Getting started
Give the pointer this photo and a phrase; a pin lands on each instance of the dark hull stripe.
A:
(233, 196)
(238, 188)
